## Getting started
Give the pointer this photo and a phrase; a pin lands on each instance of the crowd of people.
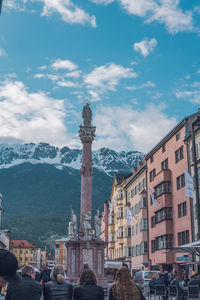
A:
(174, 279)
(52, 284)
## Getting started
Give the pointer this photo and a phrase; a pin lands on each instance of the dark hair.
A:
(87, 275)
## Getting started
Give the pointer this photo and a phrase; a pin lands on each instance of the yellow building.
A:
(119, 239)
(25, 252)
(137, 201)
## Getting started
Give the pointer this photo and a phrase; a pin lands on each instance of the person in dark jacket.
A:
(19, 288)
(57, 288)
(152, 284)
(45, 274)
(88, 288)
(195, 280)
(182, 291)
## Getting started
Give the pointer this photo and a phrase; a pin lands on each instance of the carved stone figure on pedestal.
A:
(97, 223)
(87, 225)
(87, 115)
(72, 228)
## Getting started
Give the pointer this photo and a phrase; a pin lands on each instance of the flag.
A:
(1, 1)
(189, 184)
(128, 216)
(152, 198)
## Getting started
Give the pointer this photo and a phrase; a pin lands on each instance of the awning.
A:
(192, 248)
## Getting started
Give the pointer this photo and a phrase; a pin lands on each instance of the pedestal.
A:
(82, 251)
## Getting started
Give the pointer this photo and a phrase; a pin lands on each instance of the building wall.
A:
(171, 199)
(25, 256)
(136, 192)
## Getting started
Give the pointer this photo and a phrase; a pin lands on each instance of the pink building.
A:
(169, 215)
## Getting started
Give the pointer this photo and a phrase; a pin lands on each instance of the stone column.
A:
(87, 134)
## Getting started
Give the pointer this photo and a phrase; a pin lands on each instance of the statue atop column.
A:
(87, 115)
(97, 223)
(87, 225)
(72, 228)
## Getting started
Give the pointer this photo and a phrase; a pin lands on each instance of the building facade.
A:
(25, 252)
(138, 228)
(169, 211)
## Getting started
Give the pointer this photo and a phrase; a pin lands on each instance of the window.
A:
(178, 135)
(132, 193)
(183, 237)
(179, 154)
(138, 250)
(133, 230)
(153, 221)
(111, 237)
(128, 196)
(163, 148)
(164, 164)
(136, 229)
(180, 181)
(120, 194)
(143, 225)
(137, 209)
(128, 251)
(144, 182)
(151, 159)
(128, 231)
(111, 220)
(182, 209)
(153, 246)
(133, 210)
(144, 248)
(163, 187)
(134, 251)
(152, 174)
(120, 212)
(143, 202)
(164, 242)
(163, 214)
(120, 232)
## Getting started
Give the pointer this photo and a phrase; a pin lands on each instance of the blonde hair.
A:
(57, 273)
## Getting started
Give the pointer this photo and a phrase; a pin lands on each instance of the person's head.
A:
(161, 275)
(185, 276)
(177, 277)
(28, 270)
(8, 265)
(58, 273)
(125, 265)
(45, 266)
(153, 278)
(198, 275)
(86, 276)
(124, 288)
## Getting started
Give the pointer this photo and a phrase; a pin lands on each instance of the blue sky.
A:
(137, 62)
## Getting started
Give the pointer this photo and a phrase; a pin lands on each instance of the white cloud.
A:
(125, 128)
(53, 77)
(68, 11)
(108, 76)
(192, 96)
(31, 117)
(66, 84)
(166, 12)
(63, 64)
(75, 74)
(145, 47)
(39, 76)
(144, 85)
(42, 68)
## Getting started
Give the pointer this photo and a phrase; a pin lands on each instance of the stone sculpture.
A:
(97, 223)
(72, 228)
(87, 115)
(87, 225)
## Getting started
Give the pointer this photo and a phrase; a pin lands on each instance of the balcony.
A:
(163, 175)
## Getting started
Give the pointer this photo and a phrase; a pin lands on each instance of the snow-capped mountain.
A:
(104, 159)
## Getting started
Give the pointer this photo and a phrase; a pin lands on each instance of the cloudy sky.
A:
(136, 61)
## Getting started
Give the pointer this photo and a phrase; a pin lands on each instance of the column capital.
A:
(87, 134)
